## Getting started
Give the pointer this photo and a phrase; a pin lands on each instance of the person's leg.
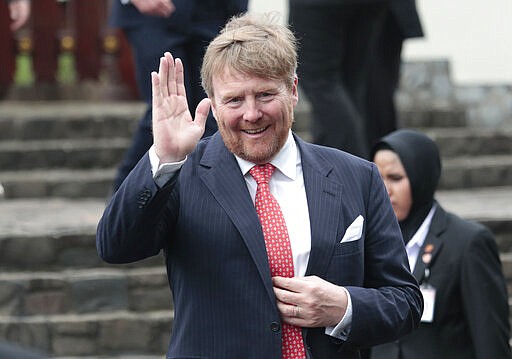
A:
(364, 28)
(322, 35)
(383, 80)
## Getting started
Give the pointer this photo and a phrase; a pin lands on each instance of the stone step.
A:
(130, 321)
(56, 234)
(69, 183)
(113, 334)
(476, 171)
(52, 234)
(452, 142)
(455, 142)
(71, 291)
(442, 116)
(445, 116)
(489, 206)
(68, 250)
(66, 120)
(458, 172)
(82, 291)
(75, 153)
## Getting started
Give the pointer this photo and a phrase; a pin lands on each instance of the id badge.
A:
(429, 300)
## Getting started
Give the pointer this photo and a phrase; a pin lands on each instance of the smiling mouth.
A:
(255, 131)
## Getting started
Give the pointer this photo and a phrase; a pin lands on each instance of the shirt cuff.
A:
(342, 330)
(162, 172)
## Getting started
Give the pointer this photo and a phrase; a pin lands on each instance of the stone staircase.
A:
(57, 161)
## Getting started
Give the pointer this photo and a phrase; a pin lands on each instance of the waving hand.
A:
(175, 133)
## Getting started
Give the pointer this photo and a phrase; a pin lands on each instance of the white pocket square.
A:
(354, 231)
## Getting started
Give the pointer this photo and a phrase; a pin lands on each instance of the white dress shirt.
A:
(414, 245)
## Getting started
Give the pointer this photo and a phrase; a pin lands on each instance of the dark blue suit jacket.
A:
(205, 222)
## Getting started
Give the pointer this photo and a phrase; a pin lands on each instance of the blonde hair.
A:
(254, 45)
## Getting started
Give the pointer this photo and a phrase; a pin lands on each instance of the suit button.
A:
(275, 327)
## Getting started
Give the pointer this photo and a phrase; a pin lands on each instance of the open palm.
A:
(175, 132)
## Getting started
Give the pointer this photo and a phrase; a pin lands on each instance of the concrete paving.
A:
(58, 216)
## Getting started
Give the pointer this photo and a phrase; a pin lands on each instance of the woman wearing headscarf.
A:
(455, 261)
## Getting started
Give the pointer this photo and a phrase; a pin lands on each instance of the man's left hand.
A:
(309, 301)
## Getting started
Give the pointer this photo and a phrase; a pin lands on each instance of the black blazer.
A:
(471, 315)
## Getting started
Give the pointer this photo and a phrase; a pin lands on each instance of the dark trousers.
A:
(383, 80)
(148, 45)
(335, 43)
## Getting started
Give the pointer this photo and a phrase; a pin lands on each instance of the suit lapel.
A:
(324, 198)
(221, 174)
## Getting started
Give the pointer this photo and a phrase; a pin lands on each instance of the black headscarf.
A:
(420, 157)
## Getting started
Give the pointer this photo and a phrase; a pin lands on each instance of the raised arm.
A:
(175, 133)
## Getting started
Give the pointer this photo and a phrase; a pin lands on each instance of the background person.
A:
(456, 261)
(401, 22)
(337, 38)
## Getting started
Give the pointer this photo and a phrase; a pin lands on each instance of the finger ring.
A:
(296, 311)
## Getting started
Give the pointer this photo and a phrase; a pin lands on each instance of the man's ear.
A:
(295, 90)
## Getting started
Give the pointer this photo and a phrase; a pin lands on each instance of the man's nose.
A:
(252, 111)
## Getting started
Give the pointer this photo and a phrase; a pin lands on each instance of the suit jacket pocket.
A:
(348, 247)
(346, 265)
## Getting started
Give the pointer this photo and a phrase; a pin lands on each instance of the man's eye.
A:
(234, 100)
(266, 95)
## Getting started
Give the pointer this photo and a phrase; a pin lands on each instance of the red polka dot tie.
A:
(278, 250)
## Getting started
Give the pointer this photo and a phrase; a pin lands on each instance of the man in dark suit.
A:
(456, 261)
(401, 22)
(184, 27)
(201, 202)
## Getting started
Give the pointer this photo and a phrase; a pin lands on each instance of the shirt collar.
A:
(419, 237)
(285, 160)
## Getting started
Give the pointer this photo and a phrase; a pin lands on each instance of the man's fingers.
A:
(286, 296)
(180, 78)
(163, 74)
(288, 310)
(294, 284)
(202, 110)
(155, 87)
(171, 74)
